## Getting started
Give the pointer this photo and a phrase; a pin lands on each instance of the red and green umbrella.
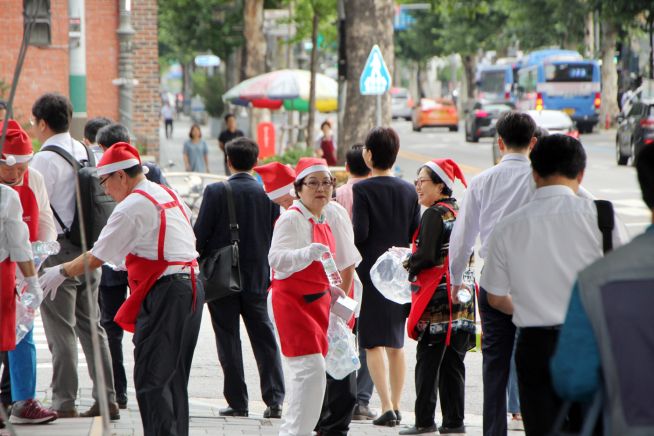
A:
(287, 88)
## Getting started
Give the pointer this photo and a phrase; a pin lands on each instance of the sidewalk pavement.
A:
(205, 420)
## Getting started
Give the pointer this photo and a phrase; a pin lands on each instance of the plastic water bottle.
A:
(331, 270)
(464, 294)
(45, 248)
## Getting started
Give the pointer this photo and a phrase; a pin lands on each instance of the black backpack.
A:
(95, 204)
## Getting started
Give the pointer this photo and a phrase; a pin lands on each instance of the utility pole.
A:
(342, 81)
(125, 79)
(77, 64)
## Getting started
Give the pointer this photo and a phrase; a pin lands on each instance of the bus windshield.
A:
(492, 82)
(569, 72)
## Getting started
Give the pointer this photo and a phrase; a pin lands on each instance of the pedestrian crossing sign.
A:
(375, 78)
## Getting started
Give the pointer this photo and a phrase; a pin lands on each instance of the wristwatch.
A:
(63, 272)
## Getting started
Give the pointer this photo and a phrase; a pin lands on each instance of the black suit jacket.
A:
(255, 215)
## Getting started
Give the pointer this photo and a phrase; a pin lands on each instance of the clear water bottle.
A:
(24, 320)
(331, 270)
(45, 248)
(465, 294)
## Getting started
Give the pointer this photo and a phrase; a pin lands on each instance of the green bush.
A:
(211, 90)
(290, 156)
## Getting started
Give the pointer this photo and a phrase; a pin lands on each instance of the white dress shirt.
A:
(59, 175)
(47, 230)
(535, 253)
(14, 234)
(133, 227)
(491, 195)
(293, 232)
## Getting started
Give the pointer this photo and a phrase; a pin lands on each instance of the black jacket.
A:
(255, 215)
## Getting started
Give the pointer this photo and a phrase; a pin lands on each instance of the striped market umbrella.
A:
(288, 88)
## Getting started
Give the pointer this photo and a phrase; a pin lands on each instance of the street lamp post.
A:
(125, 79)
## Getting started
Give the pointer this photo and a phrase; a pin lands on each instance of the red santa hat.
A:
(308, 165)
(17, 147)
(119, 156)
(277, 179)
(447, 170)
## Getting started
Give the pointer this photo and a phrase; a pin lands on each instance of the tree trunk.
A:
(589, 35)
(651, 43)
(255, 43)
(469, 66)
(312, 87)
(367, 22)
(609, 35)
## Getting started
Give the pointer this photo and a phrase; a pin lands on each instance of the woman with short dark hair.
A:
(385, 213)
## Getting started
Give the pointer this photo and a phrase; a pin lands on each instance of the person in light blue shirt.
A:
(196, 152)
(607, 340)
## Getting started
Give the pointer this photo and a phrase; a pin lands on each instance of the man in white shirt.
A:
(490, 196)
(534, 255)
(149, 230)
(67, 314)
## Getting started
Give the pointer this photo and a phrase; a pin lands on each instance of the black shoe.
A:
(114, 412)
(363, 413)
(452, 430)
(273, 412)
(228, 411)
(388, 419)
(121, 399)
(419, 430)
(399, 416)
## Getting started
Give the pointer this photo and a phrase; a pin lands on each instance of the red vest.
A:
(301, 303)
(143, 273)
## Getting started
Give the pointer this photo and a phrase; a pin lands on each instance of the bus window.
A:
(570, 72)
(492, 82)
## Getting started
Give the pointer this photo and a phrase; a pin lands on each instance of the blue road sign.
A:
(375, 78)
(207, 60)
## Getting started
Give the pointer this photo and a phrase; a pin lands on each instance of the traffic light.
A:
(37, 13)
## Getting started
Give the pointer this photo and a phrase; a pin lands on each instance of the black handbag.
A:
(220, 272)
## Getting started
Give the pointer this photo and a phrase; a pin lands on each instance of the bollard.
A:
(607, 122)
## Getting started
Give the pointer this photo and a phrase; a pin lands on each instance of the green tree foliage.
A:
(303, 12)
(211, 89)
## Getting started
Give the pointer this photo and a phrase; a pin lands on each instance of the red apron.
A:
(301, 303)
(328, 151)
(427, 282)
(8, 268)
(143, 273)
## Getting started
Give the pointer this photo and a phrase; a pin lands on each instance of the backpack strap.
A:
(65, 155)
(606, 223)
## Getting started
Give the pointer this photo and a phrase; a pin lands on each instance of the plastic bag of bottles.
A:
(342, 356)
(389, 276)
(28, 303)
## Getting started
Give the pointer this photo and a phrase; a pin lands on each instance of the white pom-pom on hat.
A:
(145, 169)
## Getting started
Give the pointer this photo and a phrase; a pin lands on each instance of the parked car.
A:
(401, 103)
(635, 130)
(480, 121)
(438, 112)
(551, 120)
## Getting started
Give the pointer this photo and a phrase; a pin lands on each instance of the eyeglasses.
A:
(315, 184)
(103, 181)
(32, 121)
(420, 181)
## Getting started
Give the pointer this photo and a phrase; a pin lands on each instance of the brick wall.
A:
(102, 51)
(45, 69)
(147, 100)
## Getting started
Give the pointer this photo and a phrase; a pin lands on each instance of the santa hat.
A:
(277, 179)
(308, 165)
(119, 156)
(17, 147)
(447, 170)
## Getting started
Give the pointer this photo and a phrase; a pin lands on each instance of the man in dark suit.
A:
(255, 215)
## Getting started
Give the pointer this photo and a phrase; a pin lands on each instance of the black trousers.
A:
(225, 318)
(364, 381)
(539, 403)
(5, 384)
(110, 299)
(338, 406)
(168, 124)
(441, 367)
(497, 348)
(166, 333)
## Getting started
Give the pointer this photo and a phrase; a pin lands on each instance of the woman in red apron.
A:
(326, 146)
(443, 329)
(301, 294)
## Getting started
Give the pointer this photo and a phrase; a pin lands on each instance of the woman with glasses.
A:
(443, 327)
(301, 293)
(385, 213)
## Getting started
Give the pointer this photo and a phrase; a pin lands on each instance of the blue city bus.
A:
(495, 83)
(561, 80)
